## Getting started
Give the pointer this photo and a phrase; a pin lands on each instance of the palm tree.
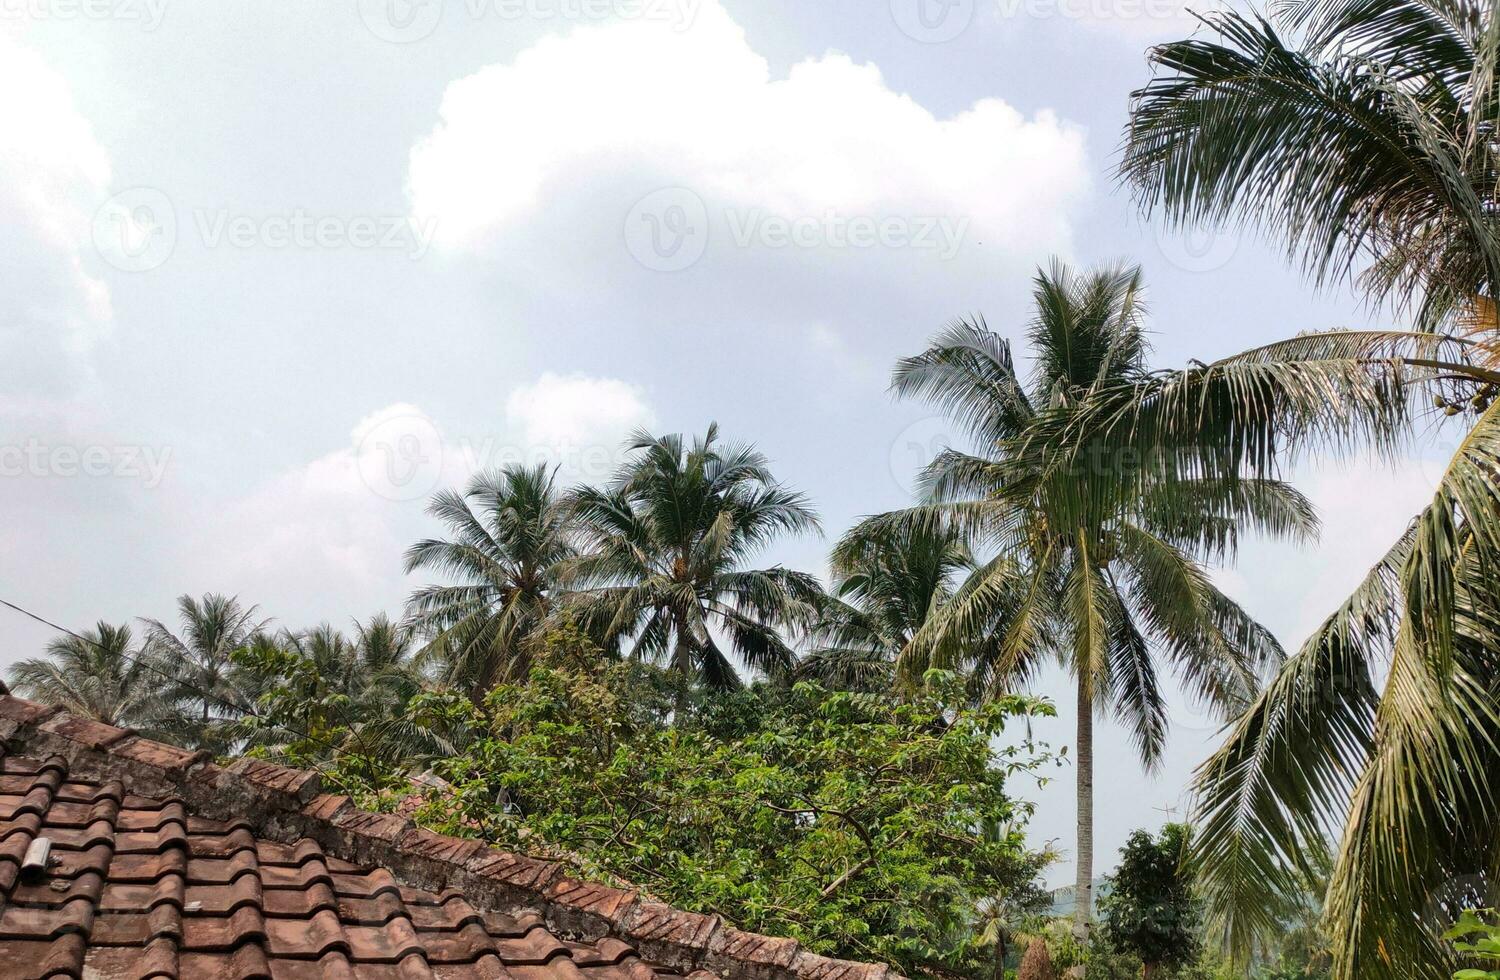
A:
(210, 690)
(665, 550)
(1363, 134)
(97, 674)
(886, 588)
(1008, 918)
(1098, 562)
(1360, 132)
(339, 695)
(373, 668)
(509, 538)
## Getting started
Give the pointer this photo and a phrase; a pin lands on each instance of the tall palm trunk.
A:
(1083, 887)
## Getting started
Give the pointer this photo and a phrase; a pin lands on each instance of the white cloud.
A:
(697, 107)
(576, 422)
(325, 538)
(53, 173)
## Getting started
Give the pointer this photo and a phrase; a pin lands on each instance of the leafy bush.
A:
(1150, 911)
(1480, 940)
(861, 825)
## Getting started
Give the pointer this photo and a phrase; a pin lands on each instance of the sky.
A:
(274, 272)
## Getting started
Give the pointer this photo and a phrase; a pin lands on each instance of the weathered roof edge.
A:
(286, 804)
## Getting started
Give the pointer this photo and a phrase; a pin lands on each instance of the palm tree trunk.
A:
(1083, 888)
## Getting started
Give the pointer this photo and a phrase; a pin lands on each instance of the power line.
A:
(170, 678)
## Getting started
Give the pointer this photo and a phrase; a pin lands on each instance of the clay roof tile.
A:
(165, 865)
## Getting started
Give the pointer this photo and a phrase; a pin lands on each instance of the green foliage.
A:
(324, 697)
(1478, 939)
(1359, 133)
(665, 563)
(508, 540)
(100, 674)
(852, 822)
(1150, 910)
(1362, 134)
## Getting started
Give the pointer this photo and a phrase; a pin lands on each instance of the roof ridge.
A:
(288, 804)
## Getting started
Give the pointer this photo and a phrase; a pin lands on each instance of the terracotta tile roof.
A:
(165, 865)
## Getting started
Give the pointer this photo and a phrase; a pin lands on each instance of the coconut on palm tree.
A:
(886, 587)
(1363, 135)
(508, 540)
(1098, 563)
(210, 691)
(667, 559)
(98, 674)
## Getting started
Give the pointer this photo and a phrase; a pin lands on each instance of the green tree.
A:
(1150, 911)
(98, 674)
(509, 538)
(1362, 134)
(666, 549)
(886, 588)
(852, 822)
(1004, 919)
(326, 696)
(1098, 556)
(210, 693)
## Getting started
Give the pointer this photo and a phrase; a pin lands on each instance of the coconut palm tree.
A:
(1098, 563)
(665, 550)
(98, 674)
(328, 694)
(1363, 134)
(886, 587)
(209, 691)
(509, 537)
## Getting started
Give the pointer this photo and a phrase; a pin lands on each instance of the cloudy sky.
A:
(274, 271)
